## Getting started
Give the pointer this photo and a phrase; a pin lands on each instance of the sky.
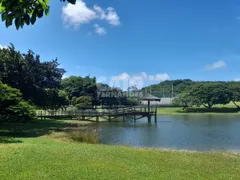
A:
(137, 42)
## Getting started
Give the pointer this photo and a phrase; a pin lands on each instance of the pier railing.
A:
(96, 111)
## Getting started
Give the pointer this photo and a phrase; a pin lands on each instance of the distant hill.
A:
(164, 89)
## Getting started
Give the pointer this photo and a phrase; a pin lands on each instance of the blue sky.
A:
(144, 41)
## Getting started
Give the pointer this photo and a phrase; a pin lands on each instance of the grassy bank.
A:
(44, 158)
(30, 152)
(217, 109)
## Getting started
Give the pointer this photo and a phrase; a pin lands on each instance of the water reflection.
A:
(190, 132)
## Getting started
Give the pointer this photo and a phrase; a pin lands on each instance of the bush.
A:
(13, 107)
(85, 137)
(83, 102)
(76, 135)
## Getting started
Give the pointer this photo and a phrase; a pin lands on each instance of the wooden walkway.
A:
(127, 113)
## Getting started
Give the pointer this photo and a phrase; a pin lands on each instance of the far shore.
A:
(201, 110)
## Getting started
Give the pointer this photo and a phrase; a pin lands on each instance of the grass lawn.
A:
(28, 155)
(43, 158)
(217, 109)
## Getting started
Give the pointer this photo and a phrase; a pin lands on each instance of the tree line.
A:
(199, 93)
(208, 94)
(28, 83)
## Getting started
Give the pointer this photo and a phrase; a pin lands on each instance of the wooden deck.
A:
(127, 113)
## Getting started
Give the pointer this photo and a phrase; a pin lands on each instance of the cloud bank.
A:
(124, 80)
(79, 14)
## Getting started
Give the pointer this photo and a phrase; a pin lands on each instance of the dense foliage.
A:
(12, 105)
(21, 12)
(83, 102)
(32, 77)
(198, 93)
(26, 81)
(76, 86)
(208, 94)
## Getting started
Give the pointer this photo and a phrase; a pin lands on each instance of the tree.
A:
(132, 102)
(83, 102)
(210, 93)
(55, 99)
(76, 86)
(12, 105)
(185, 99)
(234, 87)
(24, 11)
(28, 74)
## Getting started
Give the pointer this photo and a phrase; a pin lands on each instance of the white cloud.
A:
(75, 15)
(78, 14)
(1, 46)
(112, 17)
(216, 65)
(99, 30)
(125, 80)
(161, 77)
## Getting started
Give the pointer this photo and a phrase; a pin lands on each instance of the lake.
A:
(179, 132)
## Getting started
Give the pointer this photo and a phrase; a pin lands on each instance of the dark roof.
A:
(149, 97)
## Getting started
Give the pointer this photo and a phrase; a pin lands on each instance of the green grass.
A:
(43, 158)
(217, 109)
(43, 155)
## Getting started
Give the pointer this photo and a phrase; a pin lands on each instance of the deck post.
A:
(149, 118)
(148, 107)
(97, 118)
(155, 117)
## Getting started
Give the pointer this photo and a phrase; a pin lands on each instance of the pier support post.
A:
(149, 118)
(97, 118)
(155, 118)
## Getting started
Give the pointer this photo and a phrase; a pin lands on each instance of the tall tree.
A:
(28, 74)
(76, 86)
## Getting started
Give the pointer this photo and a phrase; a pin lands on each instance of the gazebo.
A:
(149, 98)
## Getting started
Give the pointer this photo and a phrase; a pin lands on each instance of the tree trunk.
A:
(236, 104)
(205, 105)
(209, 106)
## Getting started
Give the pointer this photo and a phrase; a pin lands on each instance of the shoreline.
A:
(197, 111)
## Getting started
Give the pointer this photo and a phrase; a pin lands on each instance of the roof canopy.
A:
(149, 97)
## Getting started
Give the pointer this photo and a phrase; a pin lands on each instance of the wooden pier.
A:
(116, 114)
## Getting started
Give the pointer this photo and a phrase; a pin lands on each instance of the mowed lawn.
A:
(216, 109)
(46, 158)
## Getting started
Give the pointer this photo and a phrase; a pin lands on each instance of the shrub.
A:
(87, 137)
(76, 135)
(13, 107)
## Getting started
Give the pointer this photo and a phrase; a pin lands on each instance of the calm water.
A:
(185, 132)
